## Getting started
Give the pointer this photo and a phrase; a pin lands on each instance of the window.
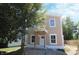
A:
(33, 39)
(52, 22)
(53, 38)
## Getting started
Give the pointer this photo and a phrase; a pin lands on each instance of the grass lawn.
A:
(11, 49)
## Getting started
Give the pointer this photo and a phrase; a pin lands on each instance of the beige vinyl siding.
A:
(54, 30)
(50, 30)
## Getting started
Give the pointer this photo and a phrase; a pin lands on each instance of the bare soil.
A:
(72, 42)
(72, 47)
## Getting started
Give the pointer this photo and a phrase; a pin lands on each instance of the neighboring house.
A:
(46, 35)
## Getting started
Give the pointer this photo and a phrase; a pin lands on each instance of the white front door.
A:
(42, 40)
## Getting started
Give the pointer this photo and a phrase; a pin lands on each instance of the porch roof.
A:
(41, 31)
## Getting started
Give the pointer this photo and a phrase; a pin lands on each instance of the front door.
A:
(42, 40)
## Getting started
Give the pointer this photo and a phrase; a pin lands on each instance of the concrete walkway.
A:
(36, 51)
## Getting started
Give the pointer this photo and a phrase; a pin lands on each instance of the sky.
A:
(63, 10)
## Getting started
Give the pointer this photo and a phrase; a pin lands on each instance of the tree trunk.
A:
(3, 45)
(23, 39)
(22, 44)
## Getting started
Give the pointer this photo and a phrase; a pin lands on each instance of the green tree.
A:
(15, 16)
(78, 30)
(4, 25)
(68, 29)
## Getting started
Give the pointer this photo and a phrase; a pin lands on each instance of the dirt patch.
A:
(72, 42)
(71, 47)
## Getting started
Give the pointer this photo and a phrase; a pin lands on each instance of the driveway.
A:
(38, 51)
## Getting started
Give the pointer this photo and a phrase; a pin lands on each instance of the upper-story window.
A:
(51, 22)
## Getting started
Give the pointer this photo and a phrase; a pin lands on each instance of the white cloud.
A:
(66, 10)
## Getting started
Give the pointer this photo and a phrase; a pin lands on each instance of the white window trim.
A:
(54, 22)
(31, 39)
(56, 39)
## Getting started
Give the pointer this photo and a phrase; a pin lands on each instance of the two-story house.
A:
(47, 35)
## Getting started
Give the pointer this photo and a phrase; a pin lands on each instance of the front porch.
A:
(41, 41)
(37, 39)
